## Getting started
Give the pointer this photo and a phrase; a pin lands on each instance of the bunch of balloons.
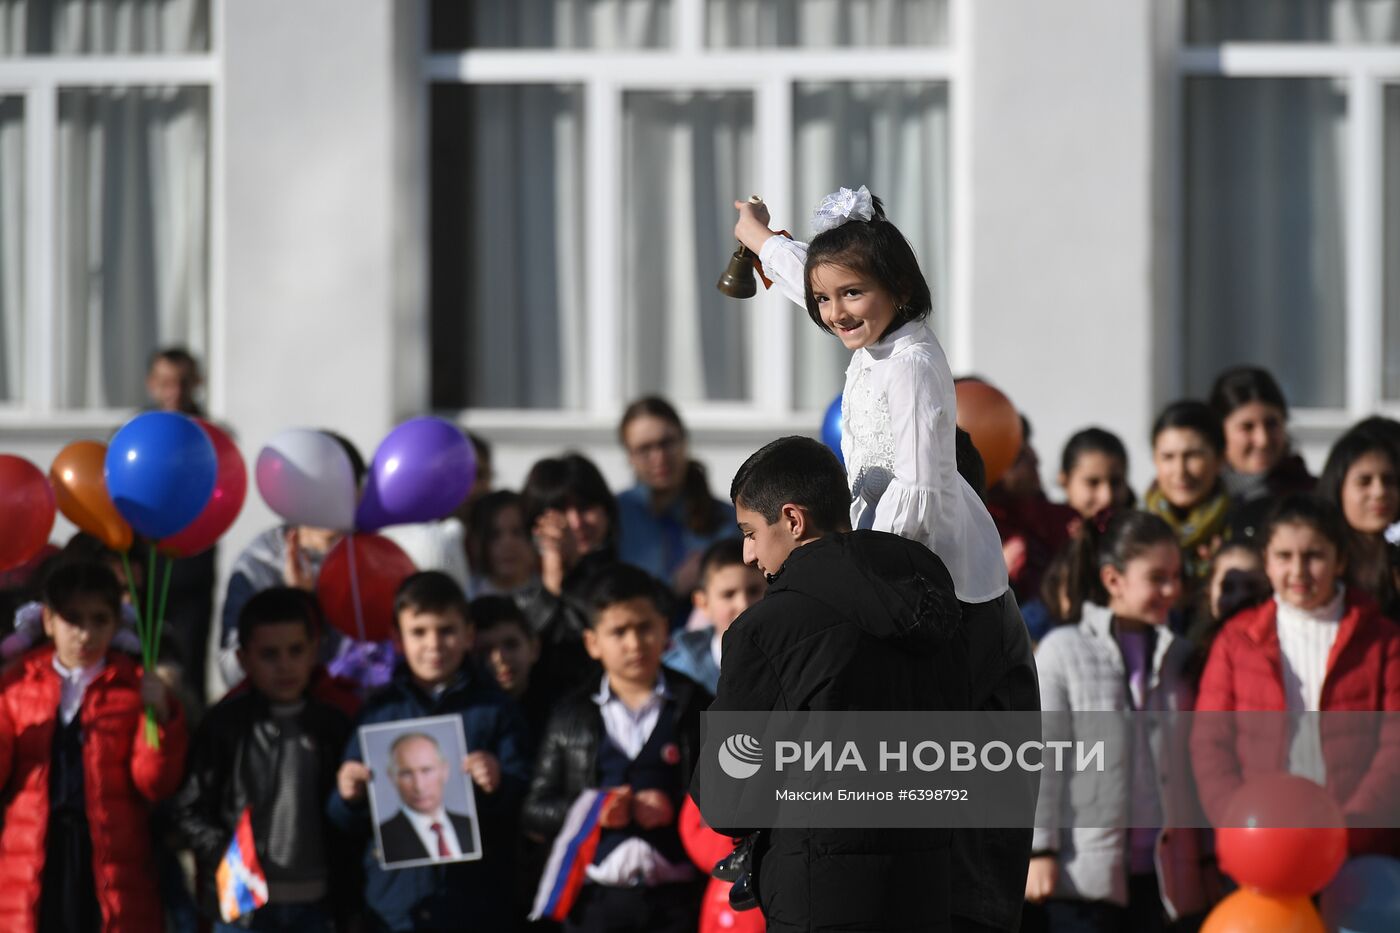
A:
(178, 481)
(1282, 838)
(421, 471)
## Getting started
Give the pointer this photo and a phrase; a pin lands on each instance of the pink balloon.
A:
(219, 513)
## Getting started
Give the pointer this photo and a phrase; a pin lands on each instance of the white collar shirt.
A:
(74, 684)
(423, 825)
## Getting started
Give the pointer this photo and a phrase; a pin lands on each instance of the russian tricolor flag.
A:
(572, 854)
(241, 884)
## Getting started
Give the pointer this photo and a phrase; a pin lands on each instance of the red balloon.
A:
(27, 506)
(380, 566)
(994, 424)
(1248, 911)
(218, 514)
(1282, 835)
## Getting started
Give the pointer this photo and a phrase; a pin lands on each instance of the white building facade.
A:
(512, 212)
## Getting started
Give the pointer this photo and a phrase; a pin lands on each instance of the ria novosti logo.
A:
(740, 756)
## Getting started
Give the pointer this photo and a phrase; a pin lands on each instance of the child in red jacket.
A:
(1317, 646)
(75, 848)
(706, 849)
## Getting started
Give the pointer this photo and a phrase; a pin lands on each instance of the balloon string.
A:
(160, 617)
(148, 649)
(355, 588)
(150, 607)
(135, 598)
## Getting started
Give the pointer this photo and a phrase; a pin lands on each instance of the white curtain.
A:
(686, 156)
(131, 211)
(508, 222)
(825, 23)
(1391, 243)
(565, 24)
(1340, 21)
(1265, 233)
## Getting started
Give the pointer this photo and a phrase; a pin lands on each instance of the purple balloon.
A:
(421, 472)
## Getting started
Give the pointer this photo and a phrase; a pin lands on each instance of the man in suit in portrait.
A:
(422, 829)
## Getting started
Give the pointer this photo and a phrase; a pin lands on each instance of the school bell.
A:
(738, 279)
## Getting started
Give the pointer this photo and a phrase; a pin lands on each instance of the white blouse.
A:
(899, 440)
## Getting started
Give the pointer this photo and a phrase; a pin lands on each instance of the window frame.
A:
(1363, 72)
(39, 80)
(771, 75)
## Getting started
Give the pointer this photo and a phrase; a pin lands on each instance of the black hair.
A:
(726, 552)
(276, 606)
(1240, 385)
(489, 612)
(798, 470)
(481, 526)
(1192, 415)
(1112, 543)
(1092, 440)
(701, 516)
(1350, 447)
(357, 461)
(177, 355)
(69, 579)
(87, 547)
(1388, 429)
(971, 466)
(431, 591)
(873, 248)
(570, 480)
(620, 583)
(1313, 511)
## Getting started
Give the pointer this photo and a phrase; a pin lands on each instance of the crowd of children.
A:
(579, 635)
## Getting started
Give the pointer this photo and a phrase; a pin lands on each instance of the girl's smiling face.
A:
(853, 306)
(1303, 565)
(1148, 585)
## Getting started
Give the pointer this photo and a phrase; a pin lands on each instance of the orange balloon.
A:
(1248, 911)
(81, 490)
(994, 424)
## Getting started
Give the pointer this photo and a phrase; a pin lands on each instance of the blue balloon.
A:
(160, 471)
(1365, 896)
(831, 429)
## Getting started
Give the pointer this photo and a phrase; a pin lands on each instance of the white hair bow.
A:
(840, 206)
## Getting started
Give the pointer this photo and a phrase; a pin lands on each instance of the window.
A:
(585, 157)
(1292, 221)
(105, 167)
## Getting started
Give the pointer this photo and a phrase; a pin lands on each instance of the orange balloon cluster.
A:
(993, 423)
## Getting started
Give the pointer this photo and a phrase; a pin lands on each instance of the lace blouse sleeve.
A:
(919, 500)
(785, 262)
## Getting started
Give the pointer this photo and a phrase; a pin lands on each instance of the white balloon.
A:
(305, 476)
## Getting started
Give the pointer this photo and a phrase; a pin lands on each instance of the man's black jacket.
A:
(857, 621)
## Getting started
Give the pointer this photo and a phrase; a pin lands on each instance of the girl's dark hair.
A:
(1240, 385)
(1349, 448)
(1192, 415)
(1112, 543)
(1092, 441)
(570, 480)
(877, 249)
(72, 578)
(1313, 511)
(701, 516)
(481, 526)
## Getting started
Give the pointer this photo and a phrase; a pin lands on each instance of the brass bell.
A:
(738, 278)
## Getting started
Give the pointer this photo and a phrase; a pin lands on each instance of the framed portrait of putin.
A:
(421, 801)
